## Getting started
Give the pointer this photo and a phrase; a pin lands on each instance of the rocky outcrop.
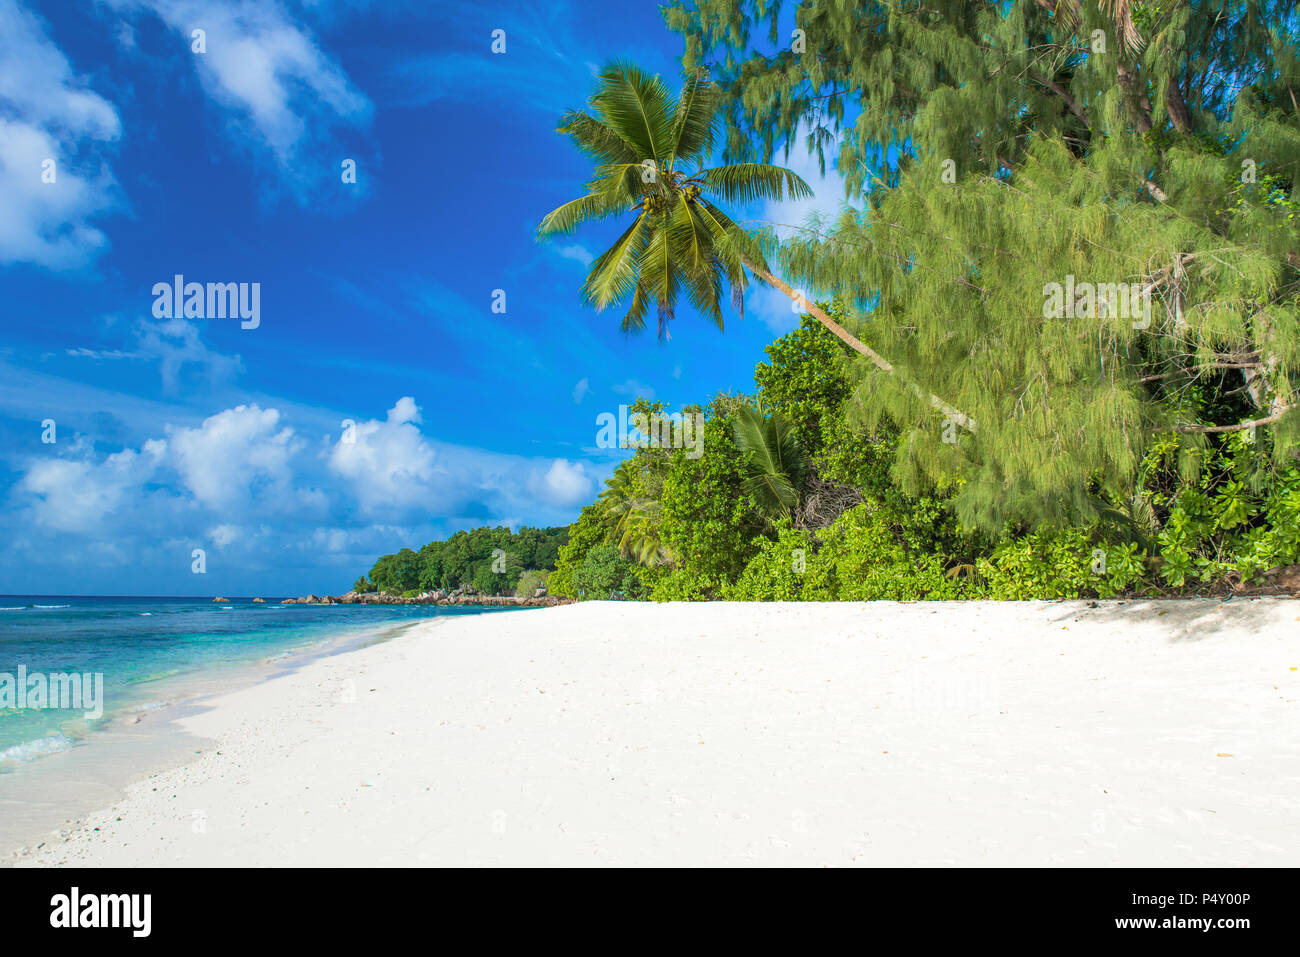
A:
(439, 597)
(219, 598)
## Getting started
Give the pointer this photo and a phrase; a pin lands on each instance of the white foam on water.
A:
(149, 706)
(37, 748)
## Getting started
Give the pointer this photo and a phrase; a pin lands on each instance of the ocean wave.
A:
(39, 747)
(14, 608)
(140, 710)
(153, 676)
(51, 606)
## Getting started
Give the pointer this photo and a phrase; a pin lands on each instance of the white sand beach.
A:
(1037, 733)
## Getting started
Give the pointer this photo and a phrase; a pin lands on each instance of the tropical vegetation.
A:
(1055, 350)
(489, 561)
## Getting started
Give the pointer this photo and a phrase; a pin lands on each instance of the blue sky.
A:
(376, 296)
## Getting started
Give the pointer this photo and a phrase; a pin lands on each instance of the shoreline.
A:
(1129, 733)
(441, 599)
(146, 739)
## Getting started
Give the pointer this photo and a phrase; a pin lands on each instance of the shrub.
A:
(707, 523)
(1124, 567)
(1050, 564)
(588, 532)
(865, 556)
(604, 572)
(869, 553)
(778, 571)
(686, 584)
(530, 581)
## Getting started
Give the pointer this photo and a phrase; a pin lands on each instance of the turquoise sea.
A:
(147, 648)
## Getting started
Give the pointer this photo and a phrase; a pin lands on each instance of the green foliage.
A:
(708, 521)
(588, 532)
(489, 560)
(807, 380)
(865, 556)
(362, 584)
(397, 573)
(630, 502)
(1222, 509)
(604, 573)
(1203, 508)
(777, 572)
(990, 151)
(530, 581)
(649, 150)
(776, 466)
(1043, 565)
(1065, 563)
(686, 583)
(1125, 566)
(993, 157)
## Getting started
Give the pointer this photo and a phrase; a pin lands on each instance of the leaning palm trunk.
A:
(642, 140)
(876, 358)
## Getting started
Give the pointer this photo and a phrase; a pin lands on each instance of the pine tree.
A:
(1023, 178)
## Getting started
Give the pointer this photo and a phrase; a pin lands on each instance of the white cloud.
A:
(772, 307)
(83, 353)
(49, 115)
(37, 82)
(174, 344)
(265, 67)
(125, 36)
(580, 390)
(236, 464)
(244, 485)
(388, 463)
(827, 200)
(577, 253)
(235, 455)
(635, 390)
(331, 539)
(223, 535)
(81, 495)
(564, 483)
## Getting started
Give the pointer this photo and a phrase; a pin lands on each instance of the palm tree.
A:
(630, 504)
(649, 149)
(777, 467)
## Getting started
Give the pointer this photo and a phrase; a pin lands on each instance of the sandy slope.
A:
(1159, 733)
